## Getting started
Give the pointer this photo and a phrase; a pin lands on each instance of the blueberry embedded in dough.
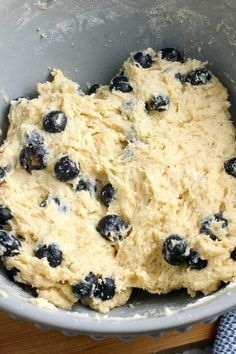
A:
(66, 170)
(174, 249)
(5, 215)
(107, 194)
(54, 122)
(91, 286)
(33, 157)
(112, 227)
(57, 202)
(86, 287)
(105, 289)
(86, 184)
(215, 226)
(158, 103)
(52, 253)
(142, 59)
(230, 167)
(233, 254)
(9, 244)
(93, 89)
(180, 77)
(197, 77)
(12, 273)
(3, 172)
(172, 54)
(194, 261)
(121, 83)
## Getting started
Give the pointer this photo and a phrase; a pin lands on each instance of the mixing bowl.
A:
(89, 40)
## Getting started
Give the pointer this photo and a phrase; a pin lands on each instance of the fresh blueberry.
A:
(233, 254)
(194, 261)
(54, 122)
(107, 194)
(93, 89)
(172, 54)
(105, 289)
(33, 157)
(65, 169)
(198, 77)
(158, 103)
(111, 227)
(174, 249)
(120, 83)
(230, 167)
(5, 215)
(180, 77)
(85, 184)
(52, 253)
(212, 225)
(143, 60)
(86, 287)
(9, 244)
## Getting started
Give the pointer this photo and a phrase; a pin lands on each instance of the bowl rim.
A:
(109, 326)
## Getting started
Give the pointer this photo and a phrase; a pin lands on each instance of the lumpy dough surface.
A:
(167, 170)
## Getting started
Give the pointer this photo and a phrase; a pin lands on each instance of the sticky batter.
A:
(159, 139)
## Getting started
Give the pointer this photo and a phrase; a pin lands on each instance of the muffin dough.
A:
(167, 169)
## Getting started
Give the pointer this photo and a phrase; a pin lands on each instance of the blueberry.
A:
(45, 202)
(105, 289)
(54, 122)
(230, 167)
(233, 254)
(5, 215)
(93, 89)
(12, 273)
(33, 157)
(86, 287)
(214, 225)
(174, 249)
(194, 261)
(111, 227)
(56, 200)
(158, 103)
(172, 54)
(120, 83)
(143, 60)
(65, 169)
(180, 77)
(29, 289)
(107, 194)
(198, 77)
(52, 253)
(9, 244)
(2, 174)
(26, 287)
(85, 184)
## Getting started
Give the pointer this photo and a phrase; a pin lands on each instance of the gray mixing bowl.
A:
(88, 40)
